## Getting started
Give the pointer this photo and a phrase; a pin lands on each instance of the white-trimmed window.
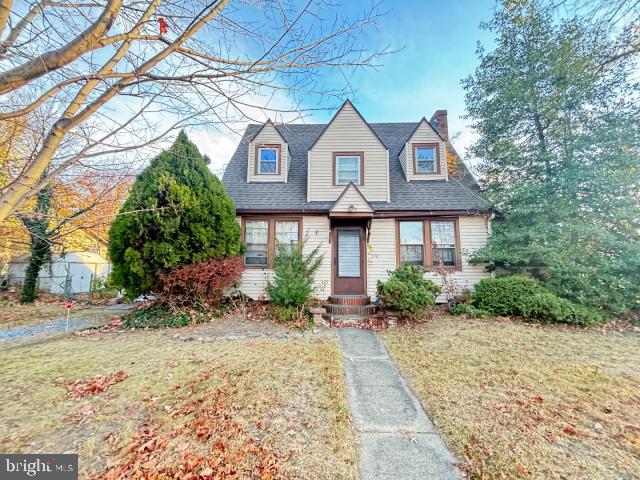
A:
(426, 158)
(412, 243)
(268, 159)
(443, 243)
(348, 168)
(287, 234)
(256, 233)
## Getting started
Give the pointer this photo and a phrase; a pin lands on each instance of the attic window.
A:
(347, 168)
(426, 158)
(268, 160)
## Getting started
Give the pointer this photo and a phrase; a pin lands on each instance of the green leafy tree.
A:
(559, 146)
(176, 214)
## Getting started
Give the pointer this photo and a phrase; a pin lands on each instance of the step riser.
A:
(350, 300)
(362, 310)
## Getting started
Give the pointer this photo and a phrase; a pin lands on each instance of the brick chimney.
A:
(439, 122)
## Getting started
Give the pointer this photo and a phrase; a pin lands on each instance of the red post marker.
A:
(68, 307)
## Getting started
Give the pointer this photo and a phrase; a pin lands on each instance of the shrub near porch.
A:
(525, 401)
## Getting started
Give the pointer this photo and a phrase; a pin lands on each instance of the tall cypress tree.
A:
(176, 214)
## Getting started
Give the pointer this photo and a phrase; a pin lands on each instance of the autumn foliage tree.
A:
(177, 214)
(113, 77)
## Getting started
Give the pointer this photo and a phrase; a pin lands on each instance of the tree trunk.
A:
(40, 253)
(40, 247)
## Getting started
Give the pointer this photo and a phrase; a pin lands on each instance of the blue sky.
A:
(436, 43)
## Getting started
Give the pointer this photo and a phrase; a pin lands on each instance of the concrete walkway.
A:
(397, 439)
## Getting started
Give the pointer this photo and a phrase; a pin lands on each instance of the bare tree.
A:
(115, 76)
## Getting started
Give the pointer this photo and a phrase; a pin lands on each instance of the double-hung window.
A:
(268, 160)
(443, 243)
(426, 158)
(263, 236)
(287, 234)
(348, 168)
(256, 238)
(429, 242)
(412, 243)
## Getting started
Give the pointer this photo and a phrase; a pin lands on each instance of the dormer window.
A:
(426, 158)
(268, 157)
(347, 168)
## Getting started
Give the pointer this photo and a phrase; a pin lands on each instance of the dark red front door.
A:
(348, 260)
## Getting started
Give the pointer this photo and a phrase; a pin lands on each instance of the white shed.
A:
(72, 272)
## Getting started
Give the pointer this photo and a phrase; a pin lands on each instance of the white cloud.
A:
(218, 145)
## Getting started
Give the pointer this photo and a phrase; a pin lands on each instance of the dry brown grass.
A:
(288, 394)
(15, 314)
(523, 401)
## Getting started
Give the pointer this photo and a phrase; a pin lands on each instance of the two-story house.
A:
(371, 195)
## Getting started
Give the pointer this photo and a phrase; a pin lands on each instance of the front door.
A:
(348, 260)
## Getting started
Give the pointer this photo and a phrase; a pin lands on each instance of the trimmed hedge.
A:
(407, 291)
(468, 310)
(524, 297)
(506, 296)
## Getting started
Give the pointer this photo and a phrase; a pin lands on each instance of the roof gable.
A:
(347, 104)
(419, 124)
(262, 127)
(351, 201)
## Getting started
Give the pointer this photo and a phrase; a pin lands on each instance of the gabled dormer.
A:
(423, 156)
(351, 203)
(348, 151)
(269, 157)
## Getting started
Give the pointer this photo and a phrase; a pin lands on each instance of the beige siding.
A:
(425, 134)
(348, 133)
(268, 135)
(381, 252)
(473, 235)
(351, 197)
(254, 282)
(315, 231)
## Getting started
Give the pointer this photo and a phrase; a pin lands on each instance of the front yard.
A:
(523, 401)
(251, 408)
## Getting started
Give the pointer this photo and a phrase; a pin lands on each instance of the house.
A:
(371, 195)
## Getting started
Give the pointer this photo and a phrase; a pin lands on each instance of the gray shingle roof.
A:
(459, 193)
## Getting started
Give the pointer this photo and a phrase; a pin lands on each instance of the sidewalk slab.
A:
(398, 440)
(356, 345)
(380, 372)
(420, 456)
(387, 409)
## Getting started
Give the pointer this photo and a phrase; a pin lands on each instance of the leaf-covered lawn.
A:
(523, 401)
(15, 314)
(168, 409)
